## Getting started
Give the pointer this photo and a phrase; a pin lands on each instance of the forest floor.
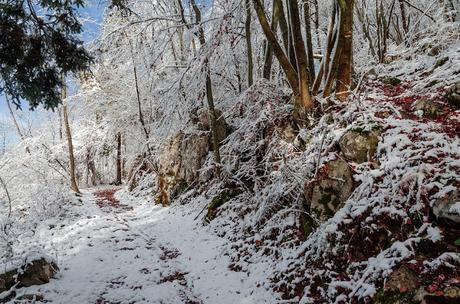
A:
(120, 249)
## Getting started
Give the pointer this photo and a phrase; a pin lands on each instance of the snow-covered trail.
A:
(129, 251)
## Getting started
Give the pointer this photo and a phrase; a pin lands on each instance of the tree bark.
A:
(118, 173)
(304, 100)
(247, 27)
(311, 60)
(13, 118)
(285, 64)
(72, 171)
(269, 48)
(339, 71)
(345, 66)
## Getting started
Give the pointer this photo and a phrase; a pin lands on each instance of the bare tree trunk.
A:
(283, 25)
(13, 118)
(304, 100)
(311, 60)
(247, 27)
(318, 40)
(339, 70)
(139, 103)
(72, 171)
(118, 174)
(281, 56)
(345, 66)
(269, 48)
(209, 95)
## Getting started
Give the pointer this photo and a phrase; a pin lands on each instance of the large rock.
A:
(332, 187)
(448, 208)
(359, 146)
(204, 123)
(429, 108)
(179, 164)
(453, 94)
(36, 272)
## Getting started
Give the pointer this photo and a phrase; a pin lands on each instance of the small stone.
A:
(359, 146)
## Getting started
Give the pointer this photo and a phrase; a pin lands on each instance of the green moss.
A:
(308, 224)
(393, 81)
(395, 297)
(181, 189)
(220, 200)
(457, 243)
(441, 62)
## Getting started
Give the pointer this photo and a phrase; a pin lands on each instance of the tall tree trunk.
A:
(139, 103)
(118, 173)
(345, 66)
(311, 60)
(13, 118)
(72, 171)
(281, 56)
(304, 100)
(340, 69)
(247, 28)
(209, 95)
(269, 48)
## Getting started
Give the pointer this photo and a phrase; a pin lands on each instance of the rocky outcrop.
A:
(332, 187)
(448, 208)
(36, 272)
(179, 164)
(359, 146)
(453, 94)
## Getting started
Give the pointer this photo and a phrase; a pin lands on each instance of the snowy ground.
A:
(130, 251)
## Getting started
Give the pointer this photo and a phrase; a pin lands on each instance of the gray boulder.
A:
(36, 272)
(333, 186)
(359, 146)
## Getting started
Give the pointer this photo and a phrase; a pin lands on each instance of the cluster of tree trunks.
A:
(295, 54)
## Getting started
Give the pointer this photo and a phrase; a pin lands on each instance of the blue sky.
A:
(92, 15)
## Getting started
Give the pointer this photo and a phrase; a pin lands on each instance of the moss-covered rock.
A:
(332, 187)
(219, 200)
(359, 145)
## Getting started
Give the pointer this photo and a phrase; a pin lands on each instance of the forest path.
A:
(121, 249)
